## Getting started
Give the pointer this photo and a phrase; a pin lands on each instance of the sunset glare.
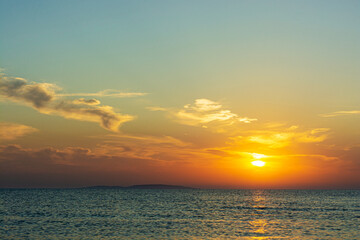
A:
(258, 155)
(258, 163)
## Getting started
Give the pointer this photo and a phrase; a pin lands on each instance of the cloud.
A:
(84, 101)
(120, 160)
(104, 115)
(157, 148)
(43, 97)
(340, 113)
(74, 167)
(18, 89)
(203, 105)
(104, 93)
(207, 113)
(318, 157)
(11, 131)
(137, 159)
(285, 137)
(280, 136)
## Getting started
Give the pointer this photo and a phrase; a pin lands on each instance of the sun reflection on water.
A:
(258, 226)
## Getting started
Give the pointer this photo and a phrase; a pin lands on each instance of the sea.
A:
(179, 214)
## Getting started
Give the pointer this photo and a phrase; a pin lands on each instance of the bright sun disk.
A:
(258, 163)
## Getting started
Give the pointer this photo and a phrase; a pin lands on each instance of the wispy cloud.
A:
(204, 113)
(104, 93)
(284, 137)
(157, 148)
(43, 97)
(270, 139)
(84, 101)
(340, 113)
(105, 115)
(11, 131)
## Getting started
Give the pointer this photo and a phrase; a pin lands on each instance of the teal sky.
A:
(275, 53)
(287, 62)
(187, 49)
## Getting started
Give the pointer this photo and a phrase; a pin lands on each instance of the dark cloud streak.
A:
(43, 98)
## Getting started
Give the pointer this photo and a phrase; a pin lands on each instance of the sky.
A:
(180, 92)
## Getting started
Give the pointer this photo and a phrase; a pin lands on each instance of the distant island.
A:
(143, 186)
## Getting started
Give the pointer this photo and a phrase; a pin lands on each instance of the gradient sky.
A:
(180, 92)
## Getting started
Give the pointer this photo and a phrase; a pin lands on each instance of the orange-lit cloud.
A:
(163, 162)
(285, 137)
(340, 113)
(43, 98)
(11, 131)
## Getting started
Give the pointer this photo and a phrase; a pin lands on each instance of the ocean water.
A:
(179, 214)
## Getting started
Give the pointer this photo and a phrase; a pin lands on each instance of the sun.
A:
(257, 157)
(258, 163)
